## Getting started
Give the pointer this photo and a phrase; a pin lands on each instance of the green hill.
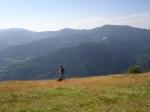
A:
(115, 93)
(109, 49)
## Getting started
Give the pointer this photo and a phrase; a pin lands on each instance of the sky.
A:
(47, 15)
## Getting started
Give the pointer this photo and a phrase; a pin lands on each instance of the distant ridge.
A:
(103, 50)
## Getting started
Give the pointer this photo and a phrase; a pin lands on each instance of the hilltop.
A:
(115, 93)
(109, 49)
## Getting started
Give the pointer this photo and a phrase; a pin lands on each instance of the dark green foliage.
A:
(134, 70)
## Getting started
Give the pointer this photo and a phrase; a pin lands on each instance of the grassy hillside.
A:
(119, 93)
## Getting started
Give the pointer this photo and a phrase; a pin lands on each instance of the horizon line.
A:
(71, 28)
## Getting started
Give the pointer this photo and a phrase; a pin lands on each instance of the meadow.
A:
(114, 93)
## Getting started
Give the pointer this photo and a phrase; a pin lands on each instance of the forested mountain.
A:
(68, 38)
(18, 36)
(103, 50)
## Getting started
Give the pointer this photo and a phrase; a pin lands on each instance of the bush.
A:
(134, 69)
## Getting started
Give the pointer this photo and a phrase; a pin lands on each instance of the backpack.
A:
(62, 70)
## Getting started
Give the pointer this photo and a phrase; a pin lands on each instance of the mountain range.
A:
(103, 50)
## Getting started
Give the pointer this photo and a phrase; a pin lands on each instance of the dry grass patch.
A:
(115, 93)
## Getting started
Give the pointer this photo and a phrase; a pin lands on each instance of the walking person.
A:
(61, 71)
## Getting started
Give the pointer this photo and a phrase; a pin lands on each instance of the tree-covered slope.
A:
(105, 50)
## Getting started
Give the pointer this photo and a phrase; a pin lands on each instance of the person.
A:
(61, 71)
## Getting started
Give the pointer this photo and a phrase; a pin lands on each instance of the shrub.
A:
(134, 69)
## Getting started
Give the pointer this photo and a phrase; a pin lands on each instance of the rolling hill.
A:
(19, 36)
(103, 50)
(69, 38)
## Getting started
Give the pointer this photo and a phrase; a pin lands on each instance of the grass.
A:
(116, 93)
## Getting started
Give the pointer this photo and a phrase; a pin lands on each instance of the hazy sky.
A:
(39, 15)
